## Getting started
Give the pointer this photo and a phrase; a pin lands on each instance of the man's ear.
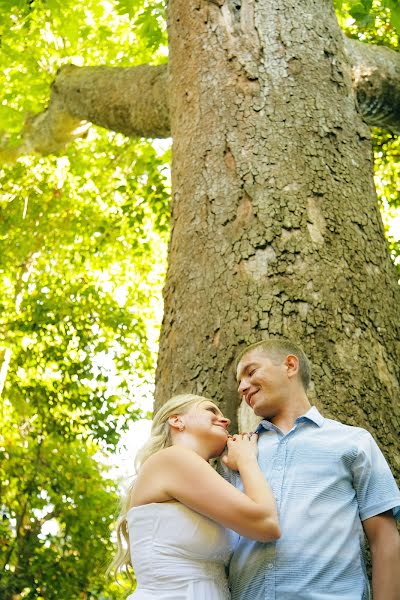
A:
(292, 365)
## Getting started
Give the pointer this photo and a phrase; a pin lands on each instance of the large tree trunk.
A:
(275, 223)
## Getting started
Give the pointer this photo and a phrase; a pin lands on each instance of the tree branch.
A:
(376, 82)
(134, 100)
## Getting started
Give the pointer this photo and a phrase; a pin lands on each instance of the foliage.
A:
(387, 177)
(370, 13)
(57, 515)
(82, 268)
(378, 22)
(83, 240)
(39, 36)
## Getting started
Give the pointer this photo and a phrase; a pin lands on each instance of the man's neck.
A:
(294, 409)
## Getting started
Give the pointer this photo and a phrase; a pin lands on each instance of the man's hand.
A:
(241, 447)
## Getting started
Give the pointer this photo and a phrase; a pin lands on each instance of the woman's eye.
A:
(252, 372)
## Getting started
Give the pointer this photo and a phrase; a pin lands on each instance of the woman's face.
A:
(208, 424)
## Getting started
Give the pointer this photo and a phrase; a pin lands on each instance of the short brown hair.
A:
(279, 348)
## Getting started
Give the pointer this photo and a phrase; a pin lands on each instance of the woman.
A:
(178, 510)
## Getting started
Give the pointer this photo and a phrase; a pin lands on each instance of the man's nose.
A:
(243, 386)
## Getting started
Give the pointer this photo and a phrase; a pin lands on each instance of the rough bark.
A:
(135, 101)
(275, 223)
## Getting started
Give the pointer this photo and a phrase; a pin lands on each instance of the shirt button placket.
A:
(277, 474)
(269, 581)
(278, 471)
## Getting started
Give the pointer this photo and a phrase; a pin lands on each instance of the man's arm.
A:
(384, 542)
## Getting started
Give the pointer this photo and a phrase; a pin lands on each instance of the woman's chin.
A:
(219, 450)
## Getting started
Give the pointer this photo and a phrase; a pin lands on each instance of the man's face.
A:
(262, 382)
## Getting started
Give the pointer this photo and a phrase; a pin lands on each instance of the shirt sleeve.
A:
(375, 486)
(229, 475)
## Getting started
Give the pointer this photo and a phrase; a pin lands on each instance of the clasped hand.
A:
(241, 448)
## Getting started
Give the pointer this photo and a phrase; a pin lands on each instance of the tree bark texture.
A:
(275, 223)
(135, 100)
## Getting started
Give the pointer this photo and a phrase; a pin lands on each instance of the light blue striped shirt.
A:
(327, 478)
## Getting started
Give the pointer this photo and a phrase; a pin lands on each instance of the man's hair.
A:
(278, 349)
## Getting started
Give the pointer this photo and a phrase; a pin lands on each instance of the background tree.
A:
(275, 224)
(281, 201)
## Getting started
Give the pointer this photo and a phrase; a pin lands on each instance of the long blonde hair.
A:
(160, 437)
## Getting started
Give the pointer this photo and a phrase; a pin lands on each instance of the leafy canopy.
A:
(83, 240)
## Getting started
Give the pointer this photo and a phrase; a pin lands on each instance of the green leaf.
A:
(9, 118)
(395, 18)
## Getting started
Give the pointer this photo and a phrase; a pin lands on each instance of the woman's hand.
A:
(242, 448)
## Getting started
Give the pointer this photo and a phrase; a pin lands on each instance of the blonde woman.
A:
(179, 510)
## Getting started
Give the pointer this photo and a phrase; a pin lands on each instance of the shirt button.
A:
(270, 565)
(279, 467)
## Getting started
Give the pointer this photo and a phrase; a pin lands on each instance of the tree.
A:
(275, 222)
(272, 179)
(275, 229)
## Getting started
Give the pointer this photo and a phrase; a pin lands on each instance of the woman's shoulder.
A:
(162, 466)
(173, 456)
(175, 452)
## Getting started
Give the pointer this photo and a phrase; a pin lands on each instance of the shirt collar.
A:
(312, 414)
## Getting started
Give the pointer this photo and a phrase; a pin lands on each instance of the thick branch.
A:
(131, 100)
(134, 101)
(376, 82)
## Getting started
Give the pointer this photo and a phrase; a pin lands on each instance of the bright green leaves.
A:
(148, 20)
(57, 507)
(38, 37)
(83, 251)
(83, 241)
(150, 24)
(10, 118)
(82, 267)
(361, 11)
(394, 7)
(387, 177)
(370, 19)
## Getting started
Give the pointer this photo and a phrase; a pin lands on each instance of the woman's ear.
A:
(176, 422)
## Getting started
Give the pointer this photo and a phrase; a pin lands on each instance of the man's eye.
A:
(252, 372)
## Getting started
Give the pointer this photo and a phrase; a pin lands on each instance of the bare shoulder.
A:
(173, 456)
(173, 463)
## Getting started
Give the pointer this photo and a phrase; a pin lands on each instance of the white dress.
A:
(177, 554)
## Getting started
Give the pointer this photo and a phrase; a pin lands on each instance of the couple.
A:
(299, 512)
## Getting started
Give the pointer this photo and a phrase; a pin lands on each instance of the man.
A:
(331, 484)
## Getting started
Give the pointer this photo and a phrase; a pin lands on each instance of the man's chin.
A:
(262, 413)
